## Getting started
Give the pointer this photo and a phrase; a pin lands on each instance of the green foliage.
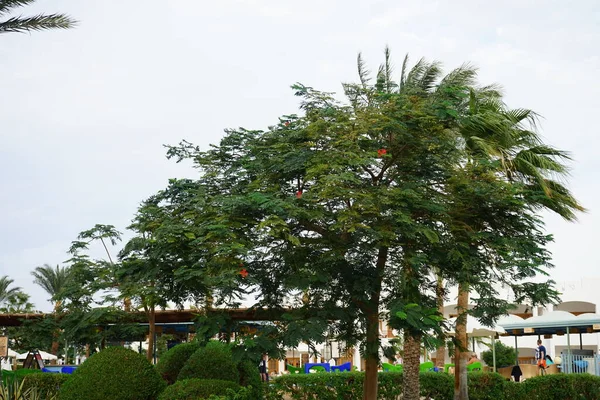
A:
(505, 355)
(562, 387)
(349, 385)
(211, 362)
(250, 378)
(17, 390)
(192, 389)
(46, 384)
(170, 363)
(485, 386)
(19, 374)
(114, 373)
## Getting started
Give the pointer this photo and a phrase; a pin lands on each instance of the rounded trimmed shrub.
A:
(211, 362)
(115, 373)
(171, 363)
(193, 389)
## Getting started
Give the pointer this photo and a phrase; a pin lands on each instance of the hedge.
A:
(171, 362)
(192, 389)
(349, 385)
(562, 387)
(438, 386)
(47, 385)
(115, 373)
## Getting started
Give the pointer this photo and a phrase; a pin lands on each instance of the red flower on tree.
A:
(244, 273)
(381, 152)
(299, 194)
(286, 123)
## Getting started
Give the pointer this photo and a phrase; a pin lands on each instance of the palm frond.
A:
(37, 23)
(52, 280)
(403, 73)
(7, 5)
(463, 76)
(363, 72)
(5, 290)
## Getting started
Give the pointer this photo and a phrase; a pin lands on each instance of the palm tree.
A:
(53, 281)
(492, 132)
(5, 291)
(38, 22)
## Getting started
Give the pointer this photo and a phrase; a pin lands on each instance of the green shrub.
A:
(349, 385)
(562, 387)
(192, 389)
(174, 359)
(9, 376)
(116, 374)
(46, 384)
(505, 355)
(436, 385)
(211, 362)
(485, 386)
(249, 377)
(513, 391)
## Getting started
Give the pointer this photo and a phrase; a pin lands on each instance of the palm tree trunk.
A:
(56, 333)
(151, 332)
(412, 353)
(461, 391)
(440, 354)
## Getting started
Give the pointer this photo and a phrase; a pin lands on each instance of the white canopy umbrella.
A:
(43, 354)
(477, 329)
(12, 353)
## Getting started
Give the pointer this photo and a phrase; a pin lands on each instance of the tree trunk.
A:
(56, 333)
(371, 312)
(440, 354)
(461, 391)
(371, 356)
(410, 380)
(151, 332)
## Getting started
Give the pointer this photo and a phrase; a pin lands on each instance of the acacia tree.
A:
(324, 203)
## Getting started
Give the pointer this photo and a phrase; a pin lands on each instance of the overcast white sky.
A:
(84, 113)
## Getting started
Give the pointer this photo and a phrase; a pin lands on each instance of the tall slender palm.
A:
(5, 290)
(507, 137)
(52, 280)
(34, 23)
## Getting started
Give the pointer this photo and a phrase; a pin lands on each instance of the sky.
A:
(85, 112)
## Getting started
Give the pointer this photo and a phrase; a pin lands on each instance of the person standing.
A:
(262, 369)
(540, 356)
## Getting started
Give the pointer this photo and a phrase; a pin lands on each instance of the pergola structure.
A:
(171, 316)
(552, 323)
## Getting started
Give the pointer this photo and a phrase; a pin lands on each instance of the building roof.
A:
(555, 322)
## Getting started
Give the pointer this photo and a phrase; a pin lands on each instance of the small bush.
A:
(45, 384)
(249, 377)
(505, 355)
(485, 386)
(562, 387)
(436, 385)
(9, 376)
(192, 389)
(116, 374)
(170, 364)
(211, 362)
